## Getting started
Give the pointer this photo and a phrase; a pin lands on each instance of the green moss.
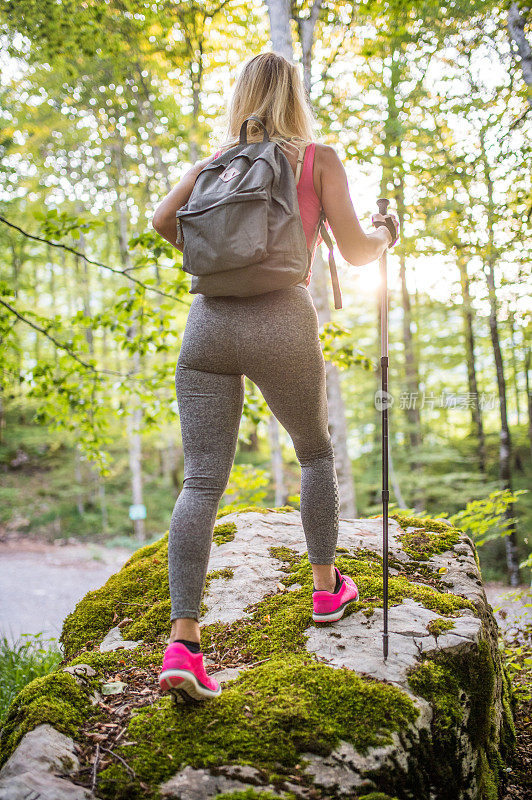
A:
(148, 551)
(427, 523)
(286, 555)
(139, 588)
(106, 664)
(438, 626)
(268, 717)
(252, 794)
(278, 622)
(224, 533)
(428, 538)
(459, 686)
(56, 699)
(377, 796)
(153, 622)
(508, 704)
(139, 591)
(226, 572)
(222, 512)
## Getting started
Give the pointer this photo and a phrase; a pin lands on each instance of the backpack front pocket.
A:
(228, 234)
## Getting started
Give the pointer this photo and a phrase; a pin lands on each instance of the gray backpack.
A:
(241, 229)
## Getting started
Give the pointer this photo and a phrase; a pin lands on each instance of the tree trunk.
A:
(85, 287)
(393, 179)
(516, 28)
(394, 481)
(134, 414)
(528, 394)
(412, 410)
(335, 402)
(102, 499)
(469, 336)
(277, 461)
(505, 446)
(280, 12)
(253, 445)
(515, 371)
(78, 475)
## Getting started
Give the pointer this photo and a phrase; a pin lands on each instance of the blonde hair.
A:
(269, 87)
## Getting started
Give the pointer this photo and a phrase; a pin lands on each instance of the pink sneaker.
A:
(330, 606)
(184, 670)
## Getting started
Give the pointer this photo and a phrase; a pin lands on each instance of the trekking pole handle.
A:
(382, 205)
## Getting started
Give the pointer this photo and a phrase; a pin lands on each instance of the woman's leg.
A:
(286, 362)
(210, 408)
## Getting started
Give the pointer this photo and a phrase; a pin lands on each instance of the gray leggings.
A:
(273, 339)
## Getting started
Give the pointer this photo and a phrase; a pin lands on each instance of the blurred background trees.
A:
(106, 105)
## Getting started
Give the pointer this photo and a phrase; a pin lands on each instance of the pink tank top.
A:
(309, 202)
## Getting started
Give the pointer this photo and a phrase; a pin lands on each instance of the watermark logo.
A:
(383, 400)
(411, 400)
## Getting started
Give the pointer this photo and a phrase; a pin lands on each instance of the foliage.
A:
(247, 486)
(31, 656)
(485, 519)
(338, 348)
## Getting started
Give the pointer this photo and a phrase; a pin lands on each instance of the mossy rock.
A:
(268, 717)
(463, 694)
(301, 705)
(56, 699)
(428, 537)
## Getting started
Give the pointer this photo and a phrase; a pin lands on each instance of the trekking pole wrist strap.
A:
(332, 263)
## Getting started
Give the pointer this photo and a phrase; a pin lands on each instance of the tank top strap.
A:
(306, 180)
(300, 162)
(309, 160)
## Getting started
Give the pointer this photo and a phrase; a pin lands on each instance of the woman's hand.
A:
(387, 222)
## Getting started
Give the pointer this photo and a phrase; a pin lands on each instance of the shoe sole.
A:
(334, 616)
(186, 681)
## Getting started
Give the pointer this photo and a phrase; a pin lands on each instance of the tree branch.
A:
(65, 347)
(78, 253)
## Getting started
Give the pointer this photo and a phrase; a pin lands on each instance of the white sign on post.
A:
(137, 511)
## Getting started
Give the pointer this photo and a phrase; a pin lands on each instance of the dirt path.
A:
(41, 583)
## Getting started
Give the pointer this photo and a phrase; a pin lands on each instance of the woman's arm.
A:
(357, 247)
(164, 220)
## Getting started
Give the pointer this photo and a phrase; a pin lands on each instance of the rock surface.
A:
(307, 710)
(115, 641)
(32, 771)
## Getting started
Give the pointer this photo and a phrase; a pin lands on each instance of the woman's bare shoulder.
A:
(326, 162)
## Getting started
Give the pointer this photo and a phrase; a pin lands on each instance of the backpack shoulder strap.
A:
(332, 263)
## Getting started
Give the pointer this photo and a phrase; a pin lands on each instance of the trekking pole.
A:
(383, 265)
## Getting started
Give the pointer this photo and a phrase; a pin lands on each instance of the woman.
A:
(273, 339)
